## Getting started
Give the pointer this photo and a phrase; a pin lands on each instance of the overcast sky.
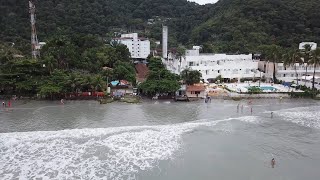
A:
(204, 1)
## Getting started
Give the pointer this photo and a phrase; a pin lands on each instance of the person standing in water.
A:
(238, 107)
(251, 110)
(271, 114)
(273, 163)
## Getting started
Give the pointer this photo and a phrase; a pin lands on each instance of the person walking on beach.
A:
(238, 107)
(273, 163)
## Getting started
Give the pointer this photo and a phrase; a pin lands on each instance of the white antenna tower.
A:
(34, 39)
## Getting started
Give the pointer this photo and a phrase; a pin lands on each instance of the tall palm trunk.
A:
(314, 74)
(274, 72)
(295, 69)
(305, 77)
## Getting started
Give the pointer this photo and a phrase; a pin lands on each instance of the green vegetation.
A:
(307, 93)
(76, 33)
(159, 80)
(305, 56)
(244, 25)
(190, 77)
(254, 90)
(67, 65)
(228, 26)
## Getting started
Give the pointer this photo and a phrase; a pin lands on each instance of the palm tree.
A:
(315, 61)
(98, 82)
(306, 55)
(273, 53)
(179, 54)
(292, 58)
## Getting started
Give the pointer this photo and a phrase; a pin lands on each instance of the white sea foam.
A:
(304, 116)
(249, 119)
(109, 153)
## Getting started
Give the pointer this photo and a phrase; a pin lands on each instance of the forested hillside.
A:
(98, 17)
(227, 26)
(243, 25)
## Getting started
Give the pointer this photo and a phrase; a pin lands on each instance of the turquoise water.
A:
(268, 88)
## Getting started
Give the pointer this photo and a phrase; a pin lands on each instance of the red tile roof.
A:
(195, 88)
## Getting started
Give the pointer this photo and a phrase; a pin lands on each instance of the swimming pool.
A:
(265, 88)
(268, 88)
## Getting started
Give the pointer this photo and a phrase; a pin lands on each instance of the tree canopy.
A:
(159, 79)
(229, 26)
(191, 77)
(66, 66)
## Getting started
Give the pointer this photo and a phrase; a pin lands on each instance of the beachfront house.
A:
(121, 88)
(196, 91)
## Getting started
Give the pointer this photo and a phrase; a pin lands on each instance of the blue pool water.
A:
(266, 88)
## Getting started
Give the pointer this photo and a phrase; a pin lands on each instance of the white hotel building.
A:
(213, 65)
(139, 47)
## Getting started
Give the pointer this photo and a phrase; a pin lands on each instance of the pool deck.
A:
(242, 87)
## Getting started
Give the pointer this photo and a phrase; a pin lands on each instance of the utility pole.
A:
(34, 39)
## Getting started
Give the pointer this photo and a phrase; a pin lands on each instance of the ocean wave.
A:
(102, 153)
(304, 116)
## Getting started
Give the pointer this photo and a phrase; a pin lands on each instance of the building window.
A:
(284, 75)
(218, 71)
(195, 92)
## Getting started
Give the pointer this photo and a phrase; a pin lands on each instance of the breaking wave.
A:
(304, 116)
(108, 153)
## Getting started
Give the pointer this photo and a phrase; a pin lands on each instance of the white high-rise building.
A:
(165, 42)
(139, 47)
